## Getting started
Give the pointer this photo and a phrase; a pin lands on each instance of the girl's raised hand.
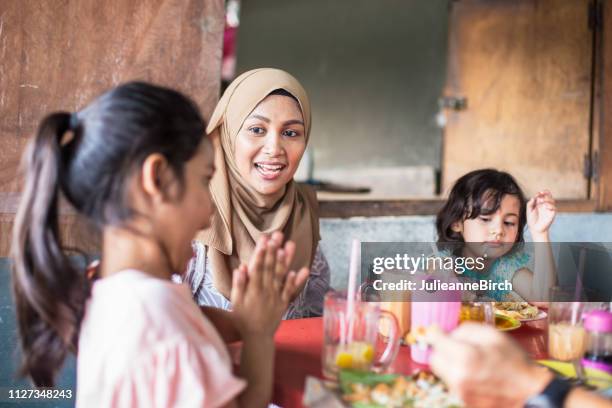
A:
(261, 292)
(541, 211)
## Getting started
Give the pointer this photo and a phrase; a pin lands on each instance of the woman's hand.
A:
(541, 212)
(485, 368)
(262, 291)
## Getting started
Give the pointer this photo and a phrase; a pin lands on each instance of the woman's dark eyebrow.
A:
(260, 118)
(293, 122)
(512, 214)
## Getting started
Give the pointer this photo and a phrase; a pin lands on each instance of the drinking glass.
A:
(351, 338)
(567, 338)
(566, 334)
(401, 311)
(477, 312)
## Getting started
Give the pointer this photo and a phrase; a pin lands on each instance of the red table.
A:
(298, 354)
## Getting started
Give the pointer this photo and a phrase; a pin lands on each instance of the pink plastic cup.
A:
(440, 309)
(445, 315)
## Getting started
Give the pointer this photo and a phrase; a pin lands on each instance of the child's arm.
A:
(534, 285)
(260, 296)
(223, 320)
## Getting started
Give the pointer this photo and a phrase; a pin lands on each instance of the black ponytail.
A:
(111, 138)
(49, 290)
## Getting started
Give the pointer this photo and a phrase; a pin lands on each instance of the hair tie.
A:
(74, 121)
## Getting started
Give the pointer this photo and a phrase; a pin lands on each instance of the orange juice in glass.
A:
(477, 312)
(567, 337)
(401, 311)
(396, 303)
(566, 342)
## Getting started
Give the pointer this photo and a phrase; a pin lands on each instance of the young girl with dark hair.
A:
(485, 216)
(137, 163)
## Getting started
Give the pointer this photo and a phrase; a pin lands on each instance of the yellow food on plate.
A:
(516, 310)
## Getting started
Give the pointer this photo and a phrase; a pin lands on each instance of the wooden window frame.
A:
(602, 110)
(600, 184)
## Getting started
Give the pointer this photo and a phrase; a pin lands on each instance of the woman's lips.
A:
(269, 171)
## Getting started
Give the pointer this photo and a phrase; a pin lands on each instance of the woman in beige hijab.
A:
(263, 125)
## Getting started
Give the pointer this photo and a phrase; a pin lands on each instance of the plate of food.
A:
(521, 311)
(372, 390)
(505, 323)
(541, 315)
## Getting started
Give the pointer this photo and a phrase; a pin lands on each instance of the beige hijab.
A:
(243, 214)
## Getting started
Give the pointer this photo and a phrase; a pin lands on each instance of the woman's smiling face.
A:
(270, 144)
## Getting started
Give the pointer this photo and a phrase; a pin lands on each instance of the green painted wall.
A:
(9, 356)
(373, 68)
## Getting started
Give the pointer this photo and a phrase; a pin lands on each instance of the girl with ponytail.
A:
(49, 291)
(136, 163)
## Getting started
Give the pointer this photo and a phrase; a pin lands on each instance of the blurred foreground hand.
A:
(485, 368)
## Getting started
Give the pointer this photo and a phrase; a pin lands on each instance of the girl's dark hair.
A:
(110, 140)
(479, 192)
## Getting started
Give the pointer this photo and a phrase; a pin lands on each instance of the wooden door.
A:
(524, 67)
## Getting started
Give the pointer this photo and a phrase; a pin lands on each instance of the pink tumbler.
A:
(428, 309)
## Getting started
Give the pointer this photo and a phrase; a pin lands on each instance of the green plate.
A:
(505, 323)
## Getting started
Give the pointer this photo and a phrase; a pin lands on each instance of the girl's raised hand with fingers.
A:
(541, 211)
(262, 291)
(260, 295)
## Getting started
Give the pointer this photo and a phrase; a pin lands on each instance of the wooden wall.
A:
(58, 55)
